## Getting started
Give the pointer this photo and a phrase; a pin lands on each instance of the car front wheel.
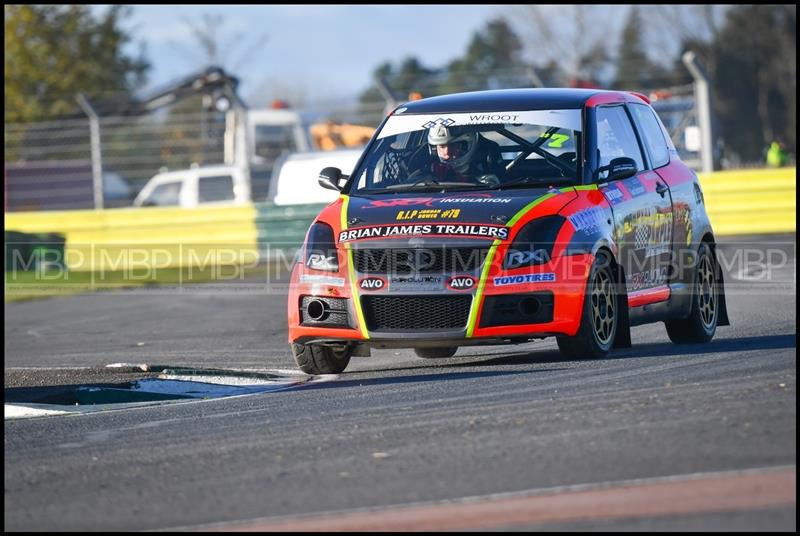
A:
(600, 314)
(318, 359)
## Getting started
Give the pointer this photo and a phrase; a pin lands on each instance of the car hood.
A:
(467, 215)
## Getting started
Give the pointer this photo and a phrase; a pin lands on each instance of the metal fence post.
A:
(97, 159)
(387, 93)
(703, 103)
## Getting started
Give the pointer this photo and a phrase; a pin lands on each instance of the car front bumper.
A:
(504, 306)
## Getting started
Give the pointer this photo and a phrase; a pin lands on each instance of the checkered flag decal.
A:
(641, 237)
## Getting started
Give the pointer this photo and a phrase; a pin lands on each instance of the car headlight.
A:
(534, 243)
(321, 249)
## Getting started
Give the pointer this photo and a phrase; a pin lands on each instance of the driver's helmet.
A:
(460, 146)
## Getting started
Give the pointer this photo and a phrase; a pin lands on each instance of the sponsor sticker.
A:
(444, 121)
(569, 119)
(650, 278)
(521, 279)
(323, 280)
(518, 258)
(318, 261)
(372, 283)
(588, 219)
(497, 232)
(634, 187)
(474, 200)
(461, 282)
(429, 214)
(416, 283)
(429, 201)
(613, 194)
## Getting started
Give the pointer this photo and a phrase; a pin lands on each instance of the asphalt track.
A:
(655, 437)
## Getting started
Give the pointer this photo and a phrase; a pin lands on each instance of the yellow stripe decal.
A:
(527, 207)
(343, 213)
(473, 314)
(351, 272)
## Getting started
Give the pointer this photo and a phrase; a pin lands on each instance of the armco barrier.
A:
(751, 201)
(147, 238)
(738, 202)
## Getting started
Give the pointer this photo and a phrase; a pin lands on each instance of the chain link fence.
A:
(48, 165)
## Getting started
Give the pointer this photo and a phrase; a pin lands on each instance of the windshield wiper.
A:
(434, 184)
(526, 181)
(428, 183)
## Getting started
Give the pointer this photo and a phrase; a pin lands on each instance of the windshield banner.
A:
(566, 119)
(498, 232)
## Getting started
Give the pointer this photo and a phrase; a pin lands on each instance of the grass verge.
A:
(31, 285)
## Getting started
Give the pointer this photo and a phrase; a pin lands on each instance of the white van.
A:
(212, 185)
(294, 179)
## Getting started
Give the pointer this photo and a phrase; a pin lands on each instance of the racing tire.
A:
(701, 324)
(318, 359)
(600, 315)
(434, 353)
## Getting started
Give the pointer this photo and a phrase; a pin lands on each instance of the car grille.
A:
(429, 260)
(416, 313)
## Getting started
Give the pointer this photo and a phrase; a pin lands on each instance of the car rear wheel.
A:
(701, 324)
(433, 353)
(600, 314)
(318, 359)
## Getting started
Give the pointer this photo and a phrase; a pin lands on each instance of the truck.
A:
(255, 140)
(258, 141)
(274, 134)
(207, 185)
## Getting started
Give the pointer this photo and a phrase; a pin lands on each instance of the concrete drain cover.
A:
(138, 385)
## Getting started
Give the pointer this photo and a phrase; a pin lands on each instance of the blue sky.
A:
(318, 53)
(326, 53)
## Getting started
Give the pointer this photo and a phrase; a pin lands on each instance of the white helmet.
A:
(441, 135)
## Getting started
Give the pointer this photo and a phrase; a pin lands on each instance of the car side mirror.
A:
(620, 168)
(329, 178)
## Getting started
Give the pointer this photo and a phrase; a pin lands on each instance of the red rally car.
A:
(499, 217)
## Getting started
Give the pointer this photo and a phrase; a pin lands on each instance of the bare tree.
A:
(670, 26)
(576, 37)
(215, 48)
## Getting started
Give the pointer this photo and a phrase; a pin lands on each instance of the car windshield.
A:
(472, 151)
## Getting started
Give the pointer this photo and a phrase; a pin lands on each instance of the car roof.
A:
(506, 99)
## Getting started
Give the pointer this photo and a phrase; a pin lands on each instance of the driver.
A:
(464, 156)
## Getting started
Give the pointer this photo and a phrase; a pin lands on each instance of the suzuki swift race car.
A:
(500, 217)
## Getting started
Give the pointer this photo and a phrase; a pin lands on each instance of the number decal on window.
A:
(556, 140)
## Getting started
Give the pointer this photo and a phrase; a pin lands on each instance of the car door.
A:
(641, 205)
